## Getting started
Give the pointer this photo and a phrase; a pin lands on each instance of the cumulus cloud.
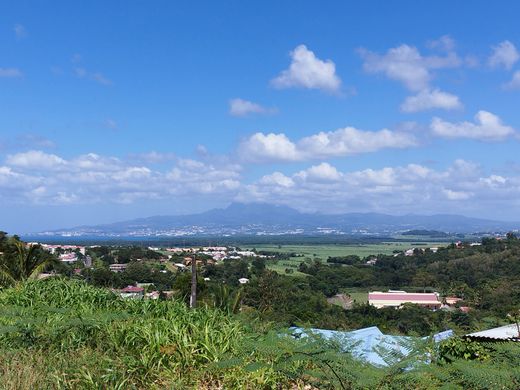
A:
(406, 65)
(45, 178)
(414, 70)
(456, 195)
(35, 159)
(308, 71)
(92, 178)
(319, 173)
(487, 127)
(429, 99)
(515, 81)
(241, 107)
(401, 189)
(346, 141)
(262, 147)
(10, 73)
(504, 55)
(277, 179)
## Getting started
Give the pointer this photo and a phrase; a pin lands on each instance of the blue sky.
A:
(115, 110)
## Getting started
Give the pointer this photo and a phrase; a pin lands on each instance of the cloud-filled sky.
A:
(116, 110)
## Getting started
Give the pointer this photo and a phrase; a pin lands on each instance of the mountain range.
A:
(267, 219)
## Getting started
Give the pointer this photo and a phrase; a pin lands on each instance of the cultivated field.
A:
(303, 252)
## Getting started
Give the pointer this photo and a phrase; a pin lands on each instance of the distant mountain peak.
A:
(256, 218)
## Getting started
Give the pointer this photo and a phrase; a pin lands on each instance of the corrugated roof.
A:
(507, 332)
(370, 344)
(404, 296)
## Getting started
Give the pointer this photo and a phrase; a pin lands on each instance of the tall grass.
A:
(138, 343)
(64, 334)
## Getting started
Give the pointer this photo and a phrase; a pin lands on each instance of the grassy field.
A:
(362, 250)
(325, 251)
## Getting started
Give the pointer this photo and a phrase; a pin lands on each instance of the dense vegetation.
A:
(73, 332)
(59, 333)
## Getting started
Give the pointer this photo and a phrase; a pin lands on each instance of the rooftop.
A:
(506, 332)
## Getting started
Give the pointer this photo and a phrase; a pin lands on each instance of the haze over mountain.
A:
(267, 219)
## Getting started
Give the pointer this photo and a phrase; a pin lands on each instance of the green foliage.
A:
(63, 333)
(19, 262)
(456, 348)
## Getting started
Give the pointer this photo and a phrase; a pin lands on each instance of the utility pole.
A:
(193, 296)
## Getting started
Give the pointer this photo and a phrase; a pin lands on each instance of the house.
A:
(153, 295)
(452, 300)
(502, 333)
(180, 266)
(68, 257)
(117, 267)
(132, 292)
(243, 280)
(394, 298)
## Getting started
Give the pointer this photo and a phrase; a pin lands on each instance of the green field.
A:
(326, 250)
(362, 250)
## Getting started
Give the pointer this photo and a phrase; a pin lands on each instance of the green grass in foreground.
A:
(64, 334)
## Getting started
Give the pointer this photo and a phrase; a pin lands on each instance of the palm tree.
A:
(27, 262)
(225, 299)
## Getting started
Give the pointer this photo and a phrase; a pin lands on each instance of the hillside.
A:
(266, 219)
(64, 334)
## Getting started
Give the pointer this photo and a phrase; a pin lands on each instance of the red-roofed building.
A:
(132, 292)
(398, 298)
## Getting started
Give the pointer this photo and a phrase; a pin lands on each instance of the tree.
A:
(258, 266)
(193, 295)
(26, 262)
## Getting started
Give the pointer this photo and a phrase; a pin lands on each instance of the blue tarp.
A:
(370, 344)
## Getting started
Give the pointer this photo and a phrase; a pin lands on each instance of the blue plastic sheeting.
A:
(370, 344)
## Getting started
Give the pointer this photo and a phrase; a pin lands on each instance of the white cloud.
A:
(494, 181)
(35, 159)
(515, 81)
(504, 55)
(346, 141)
(456, 195)
(308, 71)
(262, 147)
(349, 140)
(93, 178)
(431, 99)
(19, 31)
(38, 177)
(319, 173)
(487, 127)
(10, 73)
(277, 179)
(241, 107)
(397, 190)
(406, 65)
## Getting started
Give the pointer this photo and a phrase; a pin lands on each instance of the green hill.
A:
(64, 334)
